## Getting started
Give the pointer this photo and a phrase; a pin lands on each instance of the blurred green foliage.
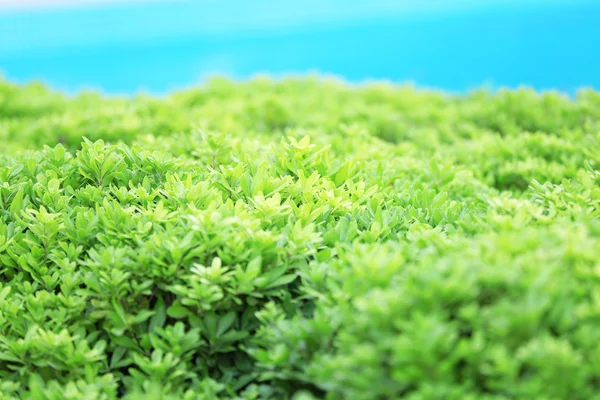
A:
(300, 239)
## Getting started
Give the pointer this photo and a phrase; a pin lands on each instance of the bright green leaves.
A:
(98, 164)
(151, 260)
(299, 239)
(52, 354)
(45, 226)
(301, 155)
(487, 309)
(17, 204)
(160, 367)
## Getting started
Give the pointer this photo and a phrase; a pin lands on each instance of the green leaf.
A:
(225, 322)
(159, 317)
(17, 203)
(177, 311)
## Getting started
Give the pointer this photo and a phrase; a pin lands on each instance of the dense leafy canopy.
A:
(299, 239)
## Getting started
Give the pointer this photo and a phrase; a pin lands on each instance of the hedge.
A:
(301, 239)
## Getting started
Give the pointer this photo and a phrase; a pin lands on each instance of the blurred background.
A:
(127, 46)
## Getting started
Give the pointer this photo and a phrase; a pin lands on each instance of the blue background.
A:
(455, 45)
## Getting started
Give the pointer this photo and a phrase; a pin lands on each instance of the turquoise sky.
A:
(162, 45)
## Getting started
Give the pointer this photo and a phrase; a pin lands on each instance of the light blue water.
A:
(453, 45)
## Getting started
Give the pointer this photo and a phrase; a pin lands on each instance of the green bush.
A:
(299, 239)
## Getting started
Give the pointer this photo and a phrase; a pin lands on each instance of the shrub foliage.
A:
(299, 239)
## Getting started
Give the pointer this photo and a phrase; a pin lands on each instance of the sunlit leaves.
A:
(299, 239)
